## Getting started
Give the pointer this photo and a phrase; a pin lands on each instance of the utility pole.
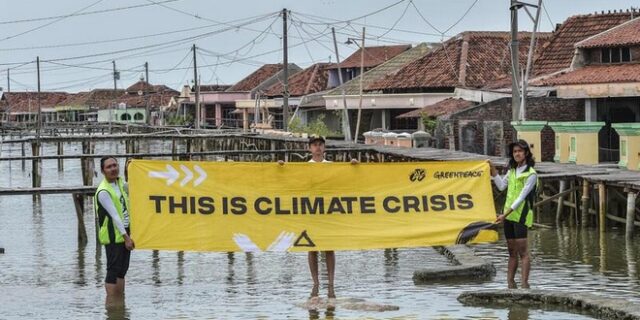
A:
(146, 92)
(115, 93)
(285, 82)
(346, 129)
(532, 45)
(38, 98)
(197, 87)
(355, 136)
(515, 62)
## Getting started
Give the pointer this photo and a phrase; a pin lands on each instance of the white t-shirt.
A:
(502, 182)
(323, 160)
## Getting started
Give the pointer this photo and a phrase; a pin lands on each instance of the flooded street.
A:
(44, 274)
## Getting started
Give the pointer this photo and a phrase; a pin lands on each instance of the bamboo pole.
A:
(563, 186)
(584, 210)
(631, 212)
(602, 206)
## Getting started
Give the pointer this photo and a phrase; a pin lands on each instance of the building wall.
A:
(478, 129)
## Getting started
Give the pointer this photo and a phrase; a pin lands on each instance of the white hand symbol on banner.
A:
(245, 243)
(283, 242)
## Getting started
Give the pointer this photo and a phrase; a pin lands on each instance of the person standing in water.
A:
(111, 203)
(521, 182)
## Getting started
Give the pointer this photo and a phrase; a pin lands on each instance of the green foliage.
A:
(177, 120)
(430, 123)
(316, 127)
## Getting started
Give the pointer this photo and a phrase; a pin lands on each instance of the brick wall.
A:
(538, 109)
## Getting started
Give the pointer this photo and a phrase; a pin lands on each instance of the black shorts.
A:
(514, 230)
(118, 257)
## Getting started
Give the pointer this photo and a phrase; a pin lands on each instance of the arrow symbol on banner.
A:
(202, 173)
(188, 175)
(171, 175)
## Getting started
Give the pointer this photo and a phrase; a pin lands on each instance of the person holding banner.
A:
(111, 203)
(521, 182)
(317, 148)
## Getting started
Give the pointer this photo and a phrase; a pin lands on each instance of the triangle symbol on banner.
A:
(304, 240)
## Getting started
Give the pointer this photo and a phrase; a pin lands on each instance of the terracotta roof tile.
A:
(97, 98)
(213, 87)
(471, 59)
(626, 34)
(256, 78)
(310, 80)
(560, 50)
(373, 56)
(28, 101)
(446, 106)
(390, 67)
(602, 73)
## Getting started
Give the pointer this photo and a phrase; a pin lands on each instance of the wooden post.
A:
(584, 219)
(563, 185)
(78, 201)
(631, 208)
(60, 160)
(23, 155)
(36, 179)
(573, 199)
(602, 199)
(174, 149)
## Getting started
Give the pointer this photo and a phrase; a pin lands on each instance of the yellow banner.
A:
(241, 206)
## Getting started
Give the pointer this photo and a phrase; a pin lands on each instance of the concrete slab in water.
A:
(468, 266)
(598, 306)
(346, 303)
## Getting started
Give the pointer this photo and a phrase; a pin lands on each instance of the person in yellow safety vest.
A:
(521, 182)
(111, 203)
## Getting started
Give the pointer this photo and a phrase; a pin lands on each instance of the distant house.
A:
(466, 62)
(596, 58)
(375, 106)
(253, 88)
(85, 106)
(22, 106)
(141, 102)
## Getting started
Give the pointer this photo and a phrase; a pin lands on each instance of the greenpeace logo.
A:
(457, 174)
(417, 175)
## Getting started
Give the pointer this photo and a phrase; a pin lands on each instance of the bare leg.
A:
(313, 267)
(331, 271)
(513, 264)
(523, 252)
(112, 290)
(120, 285)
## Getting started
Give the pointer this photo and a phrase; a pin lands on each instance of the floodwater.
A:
(44, 274)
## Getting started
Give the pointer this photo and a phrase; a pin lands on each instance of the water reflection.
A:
(80, 266)
(518, 313)
(116, 309)
(180, 276)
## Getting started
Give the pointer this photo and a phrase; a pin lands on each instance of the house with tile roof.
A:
(141, 102)
(596, 58)
(466, 62)
(22, 106)
(218, 103)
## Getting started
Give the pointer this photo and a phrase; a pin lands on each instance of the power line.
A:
(462, 17)
(397, 21)
(553, 25)
(362, 16)
(83, 13)
(50, 23)
(75, 44)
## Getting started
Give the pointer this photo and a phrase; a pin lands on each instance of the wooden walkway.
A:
(580, 193)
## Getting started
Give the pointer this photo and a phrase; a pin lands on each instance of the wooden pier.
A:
(577, 194)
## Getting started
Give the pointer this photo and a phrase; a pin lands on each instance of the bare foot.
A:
(525, 285)
(331, 294)
(512, 285)
(315, 290)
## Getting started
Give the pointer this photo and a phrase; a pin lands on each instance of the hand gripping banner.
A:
(248, 206)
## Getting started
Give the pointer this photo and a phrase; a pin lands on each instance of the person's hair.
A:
(104, 159)
(527, 154)
(470, 232)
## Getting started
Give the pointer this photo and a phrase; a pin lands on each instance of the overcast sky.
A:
(235, 36)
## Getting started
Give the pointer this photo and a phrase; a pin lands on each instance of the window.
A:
(615, 55)
(125, 117)
(138, 116)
